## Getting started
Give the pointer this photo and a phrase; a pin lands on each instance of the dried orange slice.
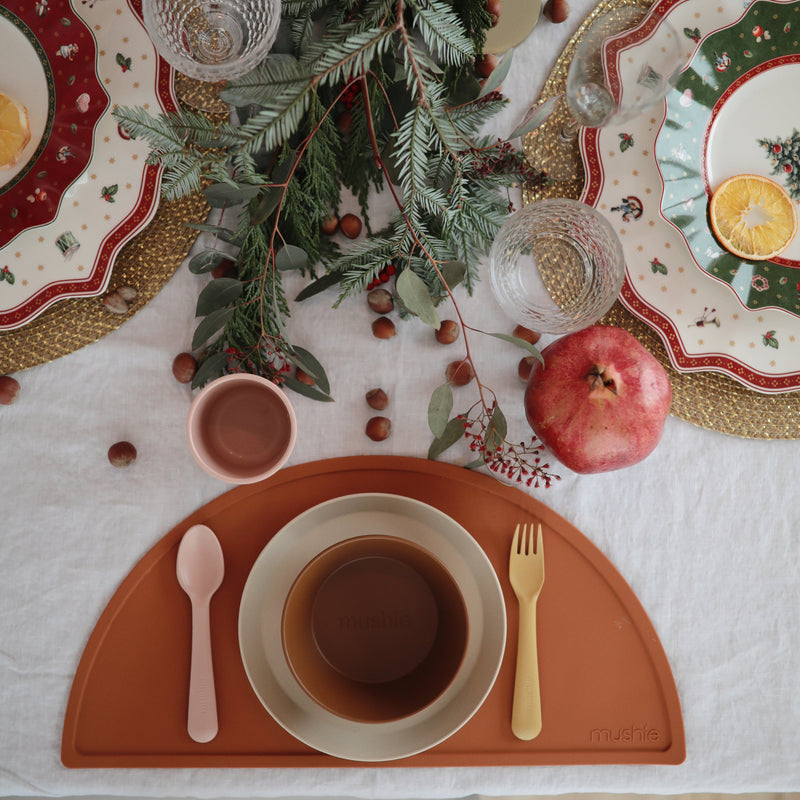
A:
(15, 132)
(753, 217)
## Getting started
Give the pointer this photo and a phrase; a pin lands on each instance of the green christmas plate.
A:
(652, 177)
(733, 113)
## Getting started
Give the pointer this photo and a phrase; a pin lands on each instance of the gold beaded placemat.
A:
(146, 263)
(706, 399)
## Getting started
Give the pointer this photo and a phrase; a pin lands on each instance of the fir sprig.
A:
(366, 94)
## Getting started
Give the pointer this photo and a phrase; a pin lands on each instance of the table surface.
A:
(702, 530)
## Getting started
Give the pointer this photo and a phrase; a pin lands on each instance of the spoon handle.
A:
(202, 721)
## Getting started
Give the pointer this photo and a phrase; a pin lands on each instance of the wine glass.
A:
(556, 266)
(212, 40)
(603, 88)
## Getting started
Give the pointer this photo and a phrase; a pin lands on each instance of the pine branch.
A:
(442, 31)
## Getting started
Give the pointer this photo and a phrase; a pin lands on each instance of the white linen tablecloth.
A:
(704, 530)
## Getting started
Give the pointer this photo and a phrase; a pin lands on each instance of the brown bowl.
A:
(374, 628)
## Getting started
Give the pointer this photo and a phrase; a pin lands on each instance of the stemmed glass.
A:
(212, 40)
(644, 75)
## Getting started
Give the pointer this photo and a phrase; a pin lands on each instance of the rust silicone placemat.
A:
(608, 695)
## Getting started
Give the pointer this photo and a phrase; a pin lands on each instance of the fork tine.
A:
(515, 541)
(539, 550)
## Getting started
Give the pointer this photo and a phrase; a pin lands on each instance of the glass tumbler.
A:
(212, 40)
(556, 266)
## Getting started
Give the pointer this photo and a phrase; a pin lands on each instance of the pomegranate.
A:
(600, 401)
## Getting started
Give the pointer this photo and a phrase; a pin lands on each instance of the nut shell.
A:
(9, 389)
(378, 428)
(526, 334)
(119, 300)
(448, 332)
(377, 399)
(459, 373)
(383, 328)
(380, 301)
(556, 10)
(525, 367)
(184, 367)
(350, 225)
(121, 454)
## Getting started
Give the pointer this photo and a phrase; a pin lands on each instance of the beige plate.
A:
(282, 560)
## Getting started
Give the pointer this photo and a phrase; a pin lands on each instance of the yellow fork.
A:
(526, 573)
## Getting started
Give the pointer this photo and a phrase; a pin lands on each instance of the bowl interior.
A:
(374, 628)
(241, 428)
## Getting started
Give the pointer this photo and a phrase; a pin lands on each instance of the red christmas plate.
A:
(82, 186)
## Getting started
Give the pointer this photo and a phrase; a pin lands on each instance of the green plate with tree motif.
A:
(734, 111)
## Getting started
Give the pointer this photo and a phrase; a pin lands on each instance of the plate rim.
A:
(140, 215)
(679, 356)
(492, 608)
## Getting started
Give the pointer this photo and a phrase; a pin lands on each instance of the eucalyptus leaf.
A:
(536, 117)
(292, 383)
(210, 325)
(453, 432)
(498, 74)
(453, 272)
(219, 293)
(476, 464)
(291, 257)
(302, 358)
(465, 90)
(266, 205)
(224, 234)
(414, 293)
(320, 285)
(496, 430)
(219, 195)
(532, 349)
(211, 367)
(205, 261)
(439, 408)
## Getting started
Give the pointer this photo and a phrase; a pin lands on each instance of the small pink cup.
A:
(241, 428)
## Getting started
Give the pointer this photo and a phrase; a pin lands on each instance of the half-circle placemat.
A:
(608, 694)
(706, 399)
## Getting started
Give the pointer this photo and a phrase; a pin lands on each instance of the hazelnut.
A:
(120, 300)
(448, 332)
(330, 225)
(525, 367)
(303, 377)
(378, 428)
(9, 389)
(350, 225)
(526, 334)
(383, 328)
(486, 64)
(377, 399)
(380, 301)
(184, 366)
(122, 454)
(344, 122)
(459, 373)
(494, 8)
(224, 268)
(556, 10)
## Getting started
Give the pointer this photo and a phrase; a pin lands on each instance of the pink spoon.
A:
(200, 568)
